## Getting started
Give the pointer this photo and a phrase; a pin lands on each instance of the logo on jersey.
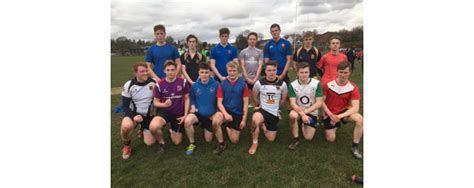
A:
(270, 98)
(212, 90)
(179, 88)
(228, 51)
(304, 100)
(283, 45)
(150, 87)
(271, 46)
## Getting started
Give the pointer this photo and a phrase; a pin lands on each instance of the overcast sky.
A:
(135, 18)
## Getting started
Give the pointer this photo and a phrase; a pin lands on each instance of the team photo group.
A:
(217, 90)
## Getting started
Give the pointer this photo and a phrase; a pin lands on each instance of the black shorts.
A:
(235, 123)
(313, 124)
(250, 86)
(270, 121)
(145, 124)
(327, 122)
(173, 120)
(205, 122)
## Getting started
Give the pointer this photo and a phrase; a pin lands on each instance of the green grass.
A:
(315, 163)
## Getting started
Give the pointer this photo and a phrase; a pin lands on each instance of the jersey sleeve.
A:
(291, 91)
(289, 52)
(266, 51)
(260, 55)
(355, 95)
(256, 86)
(185, 87)
(157, 92)
(192, 97)
(319, 90)
(211, 54)
(149, 55)
(125, 92)
(246, 91)
(321, 62)
(175, 54)
(220, 93)
(284, 88)
(234, 53)
(295, 57)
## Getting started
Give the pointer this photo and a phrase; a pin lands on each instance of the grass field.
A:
(315, 163)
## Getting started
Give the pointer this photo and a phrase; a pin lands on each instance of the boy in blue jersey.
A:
(232, 101)
(222, 54)
(157, 54)
(203, 109)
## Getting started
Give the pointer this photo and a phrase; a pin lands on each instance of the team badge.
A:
(312, 56)
(283, 45)
(179, 88)
(228, 51)
(278, 87)
(150, 87)
(271, 46)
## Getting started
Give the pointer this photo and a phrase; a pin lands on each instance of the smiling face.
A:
(141, 73)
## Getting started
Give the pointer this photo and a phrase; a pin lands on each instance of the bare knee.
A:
(149, 142)
(293, 115)
(330, 137)
(309, 137)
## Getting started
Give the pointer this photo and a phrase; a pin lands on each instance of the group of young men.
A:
(214, 96)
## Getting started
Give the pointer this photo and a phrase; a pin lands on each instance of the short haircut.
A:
(271, 63)
(232, 64)
(301, 65)
(139, 64)
(169, 63)
(252, 33)
(190, 37)
(224, 30)
(159, 27)
(275, 25)
(336, 37)
(204, 44)
(204, 66)
(308, 34)
(344, 65)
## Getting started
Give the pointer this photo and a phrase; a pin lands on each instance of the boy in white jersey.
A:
(136, 101)
(268, 94)
(306, 97)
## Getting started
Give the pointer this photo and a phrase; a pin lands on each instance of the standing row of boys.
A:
(222, 100)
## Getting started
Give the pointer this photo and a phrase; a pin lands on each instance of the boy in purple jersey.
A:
(171, 98)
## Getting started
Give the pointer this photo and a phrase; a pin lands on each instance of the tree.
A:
(241, 41)
(123, 44)
(169, 39)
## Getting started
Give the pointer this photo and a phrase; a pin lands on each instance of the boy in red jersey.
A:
(341, 104)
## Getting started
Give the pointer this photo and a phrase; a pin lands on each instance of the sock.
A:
(355, 145)
(192, 143)
(255, 141)
(127, 143)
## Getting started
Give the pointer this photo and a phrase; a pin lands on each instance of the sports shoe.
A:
(250, 106)
(253, 149)
(219, 149)
(140, 133)
(161, 148)
(293, 144)
(126, 152)
(190, 149)
(356, 153)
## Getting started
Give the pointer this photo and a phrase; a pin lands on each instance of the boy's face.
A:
(252, 40)
(142, 73)
(232, 73)
(275, 33)
(160, 36)
(170, 71)
(204, 74)
(335, 44)
(224, 38)
(303, 74)
(308, 41)
(270, 72)
(192, 43)
(343, 75)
